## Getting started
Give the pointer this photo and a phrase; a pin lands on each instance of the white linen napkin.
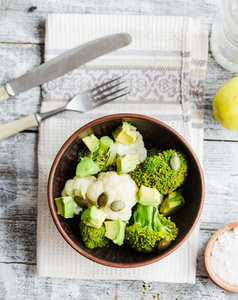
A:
(165, 67)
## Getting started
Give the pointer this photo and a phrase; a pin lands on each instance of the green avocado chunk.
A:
(87, 167)
(125, 134)
(93, 216)
(115, 231)
(65, 206)
(127, 163)
(105, 142)
(107, 152)
(149, 196)
(172, 203)
(112, 154)
(92, 142)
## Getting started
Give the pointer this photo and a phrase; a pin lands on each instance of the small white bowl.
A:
(207, 260)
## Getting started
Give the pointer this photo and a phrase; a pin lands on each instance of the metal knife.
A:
(64, 63)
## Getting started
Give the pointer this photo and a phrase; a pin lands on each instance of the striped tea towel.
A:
(165, 67)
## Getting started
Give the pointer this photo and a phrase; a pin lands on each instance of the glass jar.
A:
(224, 39)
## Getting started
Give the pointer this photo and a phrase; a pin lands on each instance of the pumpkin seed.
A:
(163, 244)
(81, 202)
(103, 199)
(117, 205)
(174, 162)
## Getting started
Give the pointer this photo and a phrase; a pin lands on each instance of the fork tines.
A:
(108, 91)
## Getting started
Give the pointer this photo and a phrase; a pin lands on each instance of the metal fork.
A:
(82, 102)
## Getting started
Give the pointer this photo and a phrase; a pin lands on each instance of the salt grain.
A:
(224, 258)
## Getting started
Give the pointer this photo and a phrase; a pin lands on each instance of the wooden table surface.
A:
(22, 27)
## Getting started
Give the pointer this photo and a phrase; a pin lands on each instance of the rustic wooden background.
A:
(21, 49)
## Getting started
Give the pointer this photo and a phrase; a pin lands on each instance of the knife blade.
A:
(64, 63)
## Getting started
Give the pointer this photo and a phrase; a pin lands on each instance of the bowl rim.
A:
(207, 259)
(52, 205)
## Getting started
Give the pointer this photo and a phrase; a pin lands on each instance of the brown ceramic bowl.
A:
(155, 134)
(207, 260)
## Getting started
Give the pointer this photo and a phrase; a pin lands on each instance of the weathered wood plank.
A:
(15, 61)
(24, 21)
(204, 236)
(171, 7)
(203, 289)
(21, 26)
(18, 281)
(18, 176)
(220, 167)
(18, 241)
(18, 59)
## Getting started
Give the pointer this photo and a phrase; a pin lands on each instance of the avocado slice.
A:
(111, 155)
(93, 217)
(115, 231)
(87, 167)
(92, 142)
(125, 133)
(149, 196)
(65, 206)
(172, 203)
(127, 163)
(105, 142)
(106, 153)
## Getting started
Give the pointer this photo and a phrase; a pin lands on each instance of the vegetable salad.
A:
(124, 193)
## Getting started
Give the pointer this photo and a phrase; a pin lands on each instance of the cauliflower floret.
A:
(95, 189)
(78, 187)
(77, 209)
(136, 148)
(118, 187)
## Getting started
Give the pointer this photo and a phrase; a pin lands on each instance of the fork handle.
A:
(14, 127)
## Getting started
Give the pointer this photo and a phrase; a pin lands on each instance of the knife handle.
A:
(3, 94)
(14, 127)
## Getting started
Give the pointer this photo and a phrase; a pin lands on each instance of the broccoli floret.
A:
(93, 237)
(112, 167)
(147, 227)
(156, 172)
(152, 163)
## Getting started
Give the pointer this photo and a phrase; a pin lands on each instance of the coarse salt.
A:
(224, 258)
